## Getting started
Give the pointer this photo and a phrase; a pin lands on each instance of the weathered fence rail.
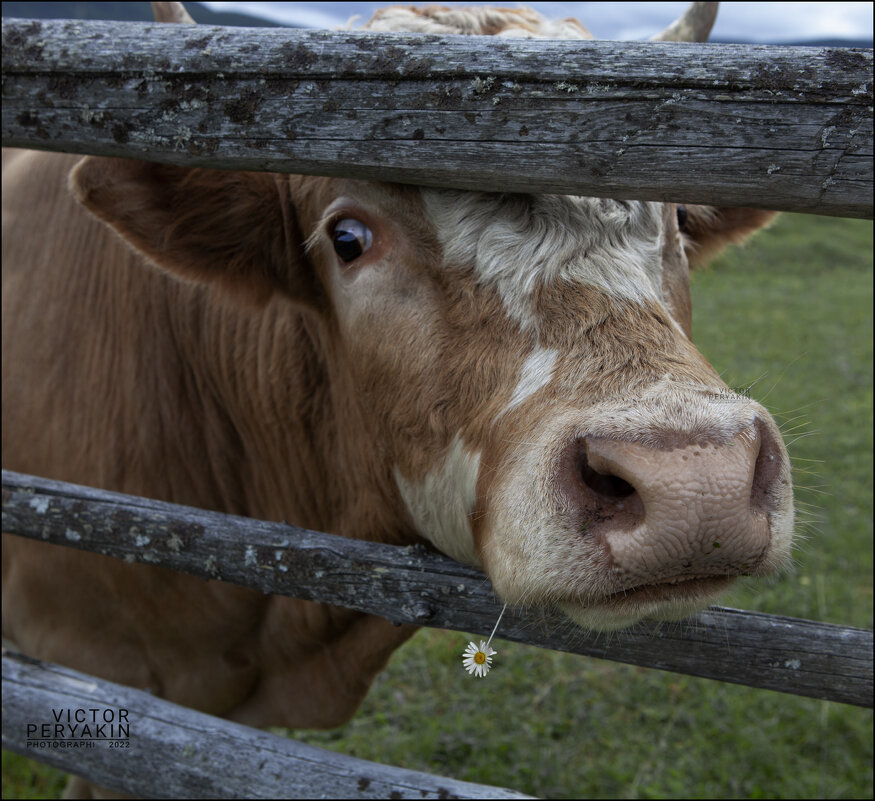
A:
(175, 752)
(412, 585)
(784, 128)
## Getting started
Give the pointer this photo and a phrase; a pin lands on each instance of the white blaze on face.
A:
(535, 374)
(518, 243)
(441, 503)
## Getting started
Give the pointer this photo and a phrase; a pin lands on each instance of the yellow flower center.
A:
(480, 657)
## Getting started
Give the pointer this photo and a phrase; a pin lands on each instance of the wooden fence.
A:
(181, 753)
(413, 585)
(781, 128)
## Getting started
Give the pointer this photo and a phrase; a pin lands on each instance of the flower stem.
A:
(496, 625)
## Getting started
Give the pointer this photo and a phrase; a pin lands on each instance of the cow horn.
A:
(171, 12)
(693, 25)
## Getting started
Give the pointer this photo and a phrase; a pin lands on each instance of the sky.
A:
(736, 21)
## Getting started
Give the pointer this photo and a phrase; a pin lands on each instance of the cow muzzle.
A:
(628, 530)
(674, 514)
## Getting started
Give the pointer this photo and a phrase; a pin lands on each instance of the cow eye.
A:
(682, 217)
(351, 239)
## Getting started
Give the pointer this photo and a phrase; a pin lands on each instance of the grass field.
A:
(790, 314)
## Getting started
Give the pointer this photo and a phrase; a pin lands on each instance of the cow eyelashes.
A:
(351, 238)
(682, 217)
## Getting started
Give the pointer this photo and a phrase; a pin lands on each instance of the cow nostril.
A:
(766, 470)
(605, 485)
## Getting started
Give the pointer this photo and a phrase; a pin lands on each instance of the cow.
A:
(508, 379)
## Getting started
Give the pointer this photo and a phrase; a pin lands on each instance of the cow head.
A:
(511, 377)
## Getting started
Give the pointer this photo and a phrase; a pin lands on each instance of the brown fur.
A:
(173, 393)
(710, 229)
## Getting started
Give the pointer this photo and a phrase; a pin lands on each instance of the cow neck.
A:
(262, 380)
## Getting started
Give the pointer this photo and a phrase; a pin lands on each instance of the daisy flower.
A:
(477, 659)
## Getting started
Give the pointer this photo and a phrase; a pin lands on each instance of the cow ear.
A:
(709, 229)
(234, 229)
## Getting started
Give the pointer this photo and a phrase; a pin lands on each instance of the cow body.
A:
(143, 384)
(507, 378)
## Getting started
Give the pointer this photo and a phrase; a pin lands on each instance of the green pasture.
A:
(791, 316)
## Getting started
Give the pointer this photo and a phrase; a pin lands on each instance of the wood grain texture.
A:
(785, 128)
(412, 585)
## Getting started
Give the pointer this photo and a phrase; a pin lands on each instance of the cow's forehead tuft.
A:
(520, 243)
